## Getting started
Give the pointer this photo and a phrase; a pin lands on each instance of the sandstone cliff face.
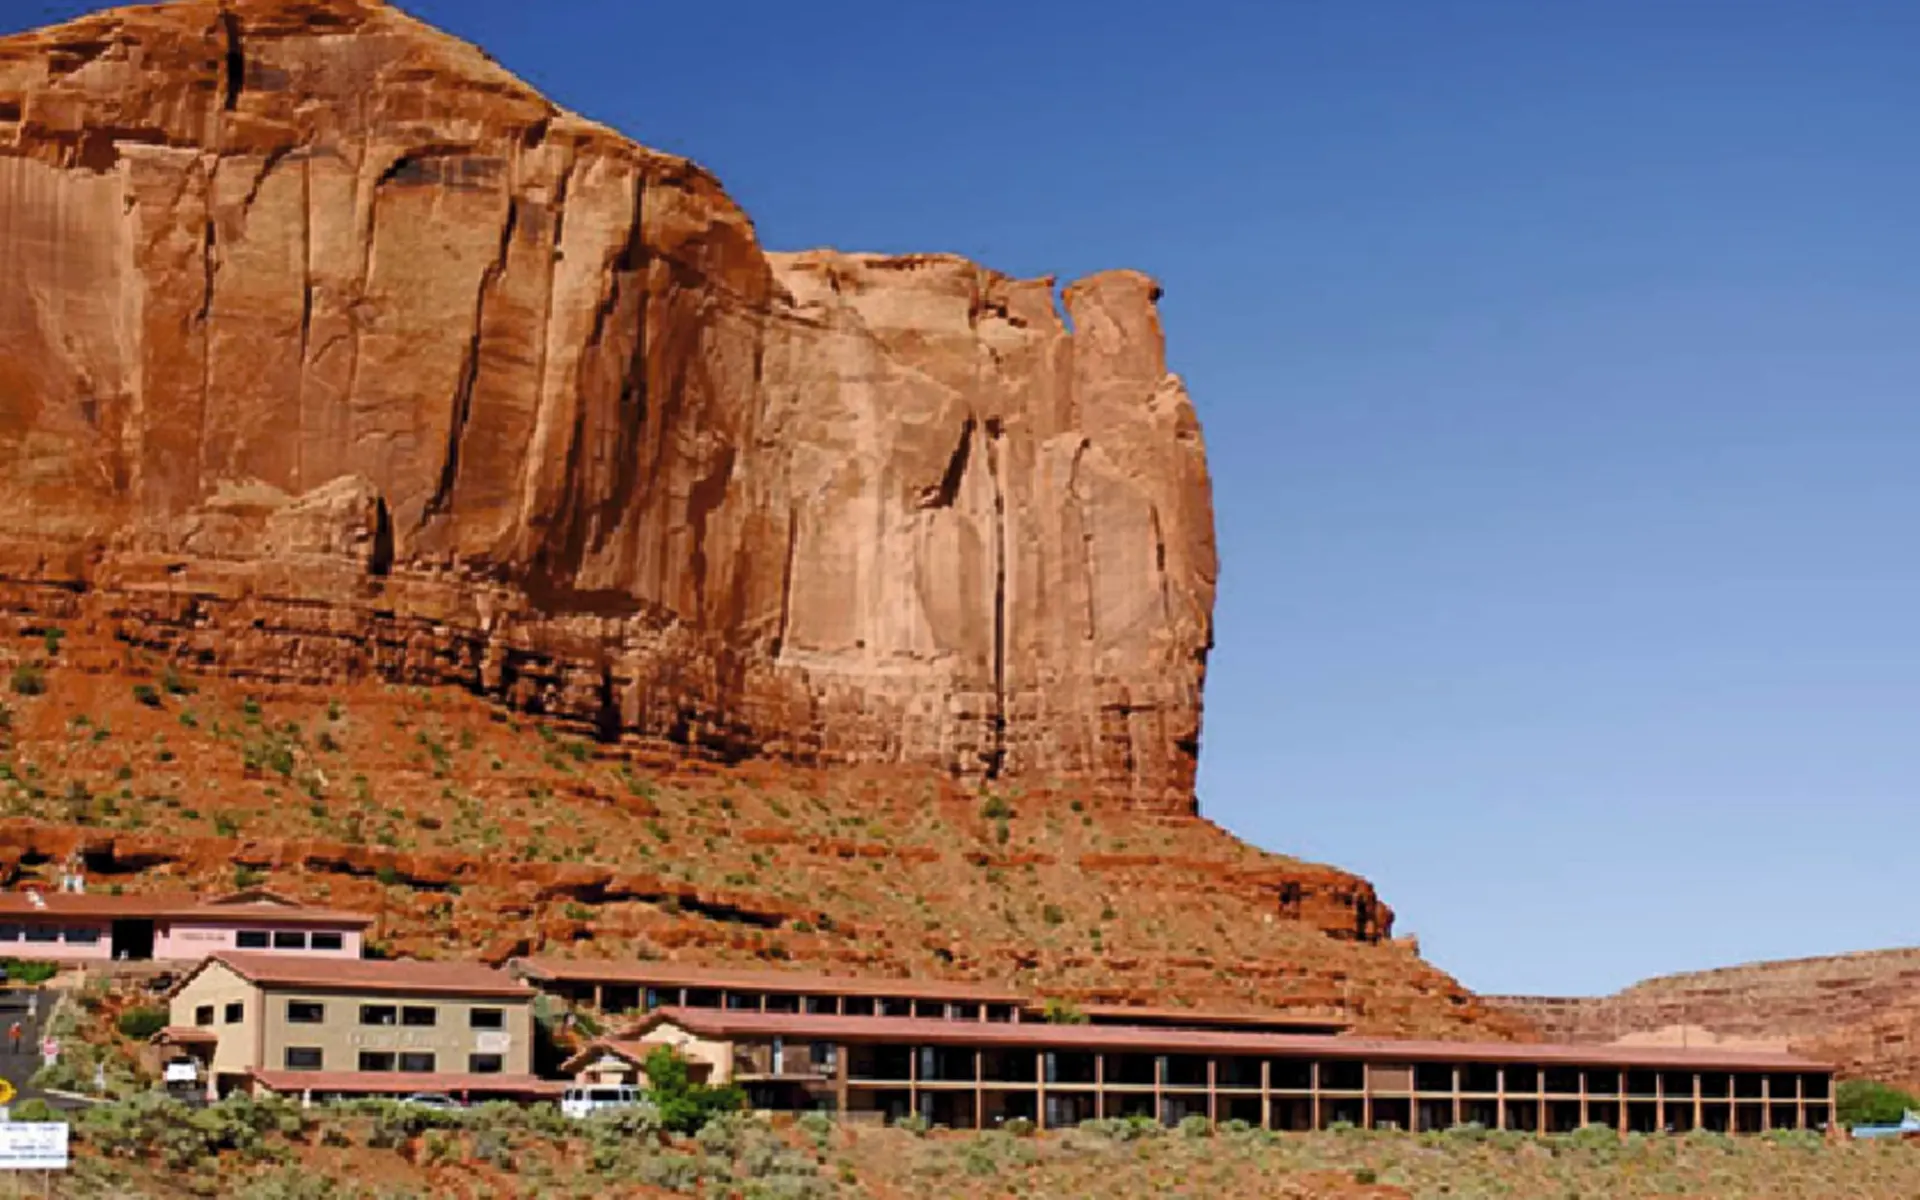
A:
(328, 349)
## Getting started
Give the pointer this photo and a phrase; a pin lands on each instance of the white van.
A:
(585, 1101)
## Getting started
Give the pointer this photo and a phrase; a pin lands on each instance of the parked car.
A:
(431, 1100)
(585, 1101)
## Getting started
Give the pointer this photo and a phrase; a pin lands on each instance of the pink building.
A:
(78, 927)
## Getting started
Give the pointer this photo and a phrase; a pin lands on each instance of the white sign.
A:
(182, 1072)
(33, 1146)
(492, 1042)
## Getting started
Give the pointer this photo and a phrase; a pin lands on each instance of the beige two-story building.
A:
(354, 1028)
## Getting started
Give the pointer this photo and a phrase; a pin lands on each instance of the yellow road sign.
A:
(6, 1092)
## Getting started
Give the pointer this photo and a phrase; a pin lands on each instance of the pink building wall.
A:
(194, 940)
(181, 940)
(63, 951)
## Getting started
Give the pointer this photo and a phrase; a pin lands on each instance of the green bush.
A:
(147, 694)
(1195, 1126)
(34, 973)
(142, 1023)
(36, 1109)
(1062, 1012)
(1867, 1102)
(682, 1105)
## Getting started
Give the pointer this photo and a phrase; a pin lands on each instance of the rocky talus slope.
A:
(329, 349)
(1859, 1011)
(471, 830)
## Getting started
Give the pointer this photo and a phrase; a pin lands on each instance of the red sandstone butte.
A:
(329, 349)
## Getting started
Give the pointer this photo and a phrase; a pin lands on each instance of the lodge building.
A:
(973, 1075)
(78, 928)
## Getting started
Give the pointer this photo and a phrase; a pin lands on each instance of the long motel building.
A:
(979, 1074)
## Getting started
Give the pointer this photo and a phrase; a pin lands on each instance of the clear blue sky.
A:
(1558, 364)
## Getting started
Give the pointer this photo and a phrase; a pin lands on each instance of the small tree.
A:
(683, 1105)
(1062, 1012)
(1867, 1102)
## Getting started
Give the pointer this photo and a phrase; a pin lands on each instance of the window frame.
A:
(416, 1057)
(319, 1010)
(203, 1015)
(336, 941)
(419, 1016)
(496, 1018)
(369, 1011)
(377, 1057)
(289, 939)
(242, 939)
(319, 1058)
(235, 1013)
(477, 1064)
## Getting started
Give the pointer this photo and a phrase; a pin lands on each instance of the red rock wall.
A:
(329, 348)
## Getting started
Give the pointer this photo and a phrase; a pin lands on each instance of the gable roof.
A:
(634, 1052)
(406, 977)
(721, 1023)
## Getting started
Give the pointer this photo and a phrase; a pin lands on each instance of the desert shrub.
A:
(996, 809)
(35, 1109)
(913, 1123)
(1867, 1102)
(1123, 1129)
(1195, 1126)
(141, 1023)
(671, 1172)
(29, 680)
(1018, 1127)
(1594, 1137)
(1061, 1012)
(1236, 1126)
(147, 694)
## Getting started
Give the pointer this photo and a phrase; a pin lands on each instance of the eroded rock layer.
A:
(328, 349)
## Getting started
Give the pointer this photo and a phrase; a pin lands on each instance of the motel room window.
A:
(83, 935)
(305, 1012)
(379, 1014)
(376, 1060)
(303, 1058)
(203, 1015)
(43, 933)
(236, 1011)
(327, 941)
(9, 932)
(251, 939)
(486, 1018)
(485, 1064)
(289, 939)
(416, 1062)
(419, 1016)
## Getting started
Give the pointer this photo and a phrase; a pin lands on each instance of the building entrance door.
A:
(133, 940)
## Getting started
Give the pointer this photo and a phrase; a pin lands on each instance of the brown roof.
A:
(1163, 1015)
(184, 1035)
(405, 1083)
(368, 975)
(666, 974)
(174, 906)
(718, 1023)
(633, 1052)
